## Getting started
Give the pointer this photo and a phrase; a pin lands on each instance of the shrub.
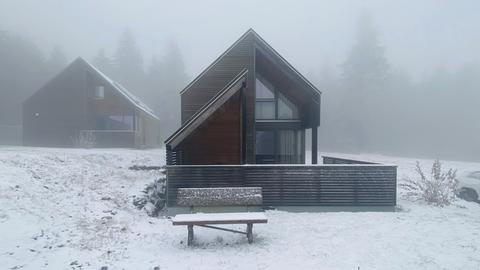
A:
(153, 198)
(438, 189)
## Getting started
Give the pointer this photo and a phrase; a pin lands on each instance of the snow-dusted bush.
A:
(439, 188)
(153, 198)
(84, 139)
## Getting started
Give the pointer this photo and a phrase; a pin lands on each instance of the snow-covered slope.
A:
(72, 209)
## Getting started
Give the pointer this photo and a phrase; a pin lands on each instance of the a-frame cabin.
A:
(244, 122)
(81, 103)
(250, 106)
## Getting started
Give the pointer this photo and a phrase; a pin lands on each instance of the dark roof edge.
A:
(216, 61)
(285, 61)
(135, 101)
(257, 36)
(204, 108)
(51, 79)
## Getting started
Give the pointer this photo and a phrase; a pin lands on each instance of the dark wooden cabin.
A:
(244, 122)
(249, 107)
(82, 104)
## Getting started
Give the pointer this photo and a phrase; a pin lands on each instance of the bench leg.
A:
(190, 235)
(249, 233)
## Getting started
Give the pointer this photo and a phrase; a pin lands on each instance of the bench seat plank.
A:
(226, 196)
(219, 218)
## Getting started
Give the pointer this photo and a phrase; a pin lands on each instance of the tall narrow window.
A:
(265, 101)
(278, 139)
(99, 92)
(286, 147)
(265, 147)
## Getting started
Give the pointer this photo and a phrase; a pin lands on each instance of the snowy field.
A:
(72, 209)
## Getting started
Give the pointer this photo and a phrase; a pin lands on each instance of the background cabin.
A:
(82, 104)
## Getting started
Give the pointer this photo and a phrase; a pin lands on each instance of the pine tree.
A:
(56, 61)
(175, 79)
(166, 78)
(129, 64)
(365, 73)
(22, 72)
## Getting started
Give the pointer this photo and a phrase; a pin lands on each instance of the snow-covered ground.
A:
(72, 209)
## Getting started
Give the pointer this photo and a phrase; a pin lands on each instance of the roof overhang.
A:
(208, 109)
(133, 100)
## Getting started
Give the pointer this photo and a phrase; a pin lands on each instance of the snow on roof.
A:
(123, 91)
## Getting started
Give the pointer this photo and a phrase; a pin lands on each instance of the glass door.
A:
(279, 146)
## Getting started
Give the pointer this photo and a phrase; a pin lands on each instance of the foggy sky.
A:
(419, 36)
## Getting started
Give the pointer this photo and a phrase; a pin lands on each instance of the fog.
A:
(398, 78)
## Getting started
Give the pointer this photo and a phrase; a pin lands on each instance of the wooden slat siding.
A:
(202, 90)
(335, 160)
(217, 140)
(286, 185)
(222, 72)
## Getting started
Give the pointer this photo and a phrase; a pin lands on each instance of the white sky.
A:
(419, 35)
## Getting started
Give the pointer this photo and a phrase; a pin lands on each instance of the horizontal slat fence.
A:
(295, 185)
(336, 160)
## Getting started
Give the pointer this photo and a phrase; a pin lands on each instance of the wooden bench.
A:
(227, 196)
(206, 220)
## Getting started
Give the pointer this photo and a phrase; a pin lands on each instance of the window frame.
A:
(274, 100)
(299, 143)
(96, 91)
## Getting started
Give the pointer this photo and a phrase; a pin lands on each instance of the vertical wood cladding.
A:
(243, 55)
(287, 185)
(216, 77)
(218, 139)
(53, 114)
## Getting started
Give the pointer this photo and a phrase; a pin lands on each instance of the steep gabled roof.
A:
(132, 99)
(208, 109)
(267, 47)
(274, 53)
(213, 84)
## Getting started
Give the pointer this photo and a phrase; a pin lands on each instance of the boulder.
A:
(468, 194)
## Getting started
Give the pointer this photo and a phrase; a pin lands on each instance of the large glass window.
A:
(276, 141)
(115, 122)
(265, 100)
(265, 147)
(286, 109)
(286, 146)
(265, 110)
(263, 91)
(271, 104)
(279, 146)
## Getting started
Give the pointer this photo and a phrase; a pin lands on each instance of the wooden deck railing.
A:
(295, 185)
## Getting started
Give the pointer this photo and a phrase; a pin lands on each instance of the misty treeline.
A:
(369, 105)
(24, 68)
